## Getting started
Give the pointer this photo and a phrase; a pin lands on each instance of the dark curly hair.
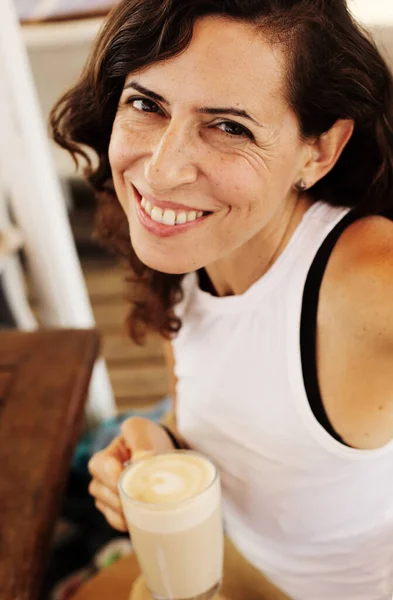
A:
(334, 72)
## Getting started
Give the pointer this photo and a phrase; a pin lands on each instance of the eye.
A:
(143, 105)
(235, 129)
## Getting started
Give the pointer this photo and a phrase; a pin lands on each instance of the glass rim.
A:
(176, 503)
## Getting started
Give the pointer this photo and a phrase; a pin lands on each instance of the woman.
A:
(245, 171)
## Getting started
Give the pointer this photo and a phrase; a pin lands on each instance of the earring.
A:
(301, 186)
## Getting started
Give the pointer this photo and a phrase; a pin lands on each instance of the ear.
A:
(326, 150)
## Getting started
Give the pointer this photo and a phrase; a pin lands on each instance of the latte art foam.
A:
(168, 478)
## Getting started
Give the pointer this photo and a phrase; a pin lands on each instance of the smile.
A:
(167, 222)
(169, 217)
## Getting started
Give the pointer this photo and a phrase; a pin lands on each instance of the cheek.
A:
(119, 160)
(243, 188)
(230, 178)
(119, 151)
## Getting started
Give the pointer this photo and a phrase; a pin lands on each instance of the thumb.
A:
(145, 437)
(138, 434)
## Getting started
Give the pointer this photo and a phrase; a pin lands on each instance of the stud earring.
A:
(301, 186)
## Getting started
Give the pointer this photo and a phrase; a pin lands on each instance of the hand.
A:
(137, 435)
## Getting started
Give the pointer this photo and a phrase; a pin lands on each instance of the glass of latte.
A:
(172, 504)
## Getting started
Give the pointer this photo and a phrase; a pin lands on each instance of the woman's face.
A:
(205, 149)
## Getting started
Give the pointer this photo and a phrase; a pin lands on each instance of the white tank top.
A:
(314, 515)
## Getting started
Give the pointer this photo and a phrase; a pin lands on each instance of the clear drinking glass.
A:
(178, 544)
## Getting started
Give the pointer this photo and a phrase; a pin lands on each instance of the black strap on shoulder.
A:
(308, 324)
(172, 437)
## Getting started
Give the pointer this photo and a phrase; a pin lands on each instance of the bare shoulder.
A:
(355, 334)
(359, 278)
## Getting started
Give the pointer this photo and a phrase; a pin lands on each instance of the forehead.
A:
(226, 63)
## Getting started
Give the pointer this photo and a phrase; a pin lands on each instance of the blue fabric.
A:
(97, 439)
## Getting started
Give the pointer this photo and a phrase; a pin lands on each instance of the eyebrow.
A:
(235, 112)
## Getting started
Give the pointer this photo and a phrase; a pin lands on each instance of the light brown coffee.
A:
(172, 505)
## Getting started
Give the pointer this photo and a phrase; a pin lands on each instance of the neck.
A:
(235, 273)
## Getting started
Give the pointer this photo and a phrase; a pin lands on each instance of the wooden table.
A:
(44, 378)
(121, 581)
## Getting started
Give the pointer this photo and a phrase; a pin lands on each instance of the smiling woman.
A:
(190, 154)
(315, 93)
(245, 172)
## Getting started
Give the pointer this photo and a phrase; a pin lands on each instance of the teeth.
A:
(181, 218)
(156, 214)
(169, 217)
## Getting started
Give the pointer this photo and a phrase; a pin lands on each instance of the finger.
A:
(111, 516)
(141, 454)
(103, 494)
(119, 449)
(137, 434)
(144, 436)
(107, 469)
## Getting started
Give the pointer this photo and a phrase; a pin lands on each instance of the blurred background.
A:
(57, 36)
(52, 270)
(53, 273)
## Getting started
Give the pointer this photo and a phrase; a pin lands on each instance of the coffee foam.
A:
(170, 492)
(168, 478)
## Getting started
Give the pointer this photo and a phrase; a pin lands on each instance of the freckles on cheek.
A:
(114, 154)
(117, 165)
(117, 156)
(240, 186)
(120, 146)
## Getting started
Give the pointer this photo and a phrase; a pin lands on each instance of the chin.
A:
(165, 264)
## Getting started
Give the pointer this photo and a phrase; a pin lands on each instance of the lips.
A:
(167, 204)
(166, 222)
(169, 216)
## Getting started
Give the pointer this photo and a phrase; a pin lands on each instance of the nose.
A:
(171, 163)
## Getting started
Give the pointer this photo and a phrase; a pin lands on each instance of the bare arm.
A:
(355, 335)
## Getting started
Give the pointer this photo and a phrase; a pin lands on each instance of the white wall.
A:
(57, 53)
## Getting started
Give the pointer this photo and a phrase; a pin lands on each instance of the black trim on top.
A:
(308, 323)
(172, 437)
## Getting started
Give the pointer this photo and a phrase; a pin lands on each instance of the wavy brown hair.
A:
(334, 72)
